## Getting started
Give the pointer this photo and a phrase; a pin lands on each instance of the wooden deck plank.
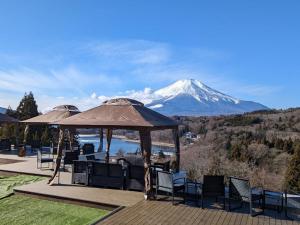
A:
(164, 213)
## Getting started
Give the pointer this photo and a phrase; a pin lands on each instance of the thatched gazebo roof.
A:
(56, 114)
(121, 113)
(7, 119)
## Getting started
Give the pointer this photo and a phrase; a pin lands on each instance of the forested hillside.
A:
(260, 145)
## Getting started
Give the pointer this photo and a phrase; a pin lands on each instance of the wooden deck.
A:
(164, 213)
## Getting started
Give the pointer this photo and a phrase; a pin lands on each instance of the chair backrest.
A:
(164, 179)
(136, 172)
(116, 170)
(239, 188)
(100, 169)
(70, 156)
(90, 157)
(165, 166)
(213, 185)
(88, 148)
(80, 166)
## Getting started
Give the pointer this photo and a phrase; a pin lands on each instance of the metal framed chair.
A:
(165, 182)
(240, 190)
(44, 157)
(69, 157)
(292, 204)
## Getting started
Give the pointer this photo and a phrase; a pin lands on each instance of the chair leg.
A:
(173, 197)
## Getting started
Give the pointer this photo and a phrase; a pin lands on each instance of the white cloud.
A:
(132, 51)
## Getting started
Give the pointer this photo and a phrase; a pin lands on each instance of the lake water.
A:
(126, 146)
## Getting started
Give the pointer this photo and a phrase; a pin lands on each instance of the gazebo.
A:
(50, 118)
(122, 113)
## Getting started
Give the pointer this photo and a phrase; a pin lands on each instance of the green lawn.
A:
(22, 210)
(7, 183)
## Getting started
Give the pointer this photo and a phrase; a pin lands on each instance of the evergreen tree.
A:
(293, 171)
(27, 107)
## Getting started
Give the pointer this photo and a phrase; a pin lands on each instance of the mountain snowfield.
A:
(193, 98)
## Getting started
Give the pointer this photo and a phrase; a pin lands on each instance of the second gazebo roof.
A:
(56, 114)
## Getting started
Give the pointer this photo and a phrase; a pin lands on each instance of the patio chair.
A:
(240, 190)
(80, 173)
(69, 157)
(135, 178)
(44, 157)
(165, 182)
(159, 167)
(88, 148)
(213, 186)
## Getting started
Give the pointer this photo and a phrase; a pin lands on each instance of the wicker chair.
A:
(165, 182)
(106, 175)
(69, 157)
(240, 189)
(80, 172)
(213, 186)
(135, 179)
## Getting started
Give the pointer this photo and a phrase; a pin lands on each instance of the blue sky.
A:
(80, 51)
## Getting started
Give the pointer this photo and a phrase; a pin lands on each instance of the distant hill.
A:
(193, 98)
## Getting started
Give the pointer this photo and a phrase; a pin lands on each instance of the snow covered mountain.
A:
(193, 98)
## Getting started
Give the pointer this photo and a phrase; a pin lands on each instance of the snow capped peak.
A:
(194, 88)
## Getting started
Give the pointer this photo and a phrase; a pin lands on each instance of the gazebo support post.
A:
(145, 142)
(108, 141)
(100, 149)
(177, 148)
(70, 139)
(26, 131)
(17, 135)
(59, 155)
